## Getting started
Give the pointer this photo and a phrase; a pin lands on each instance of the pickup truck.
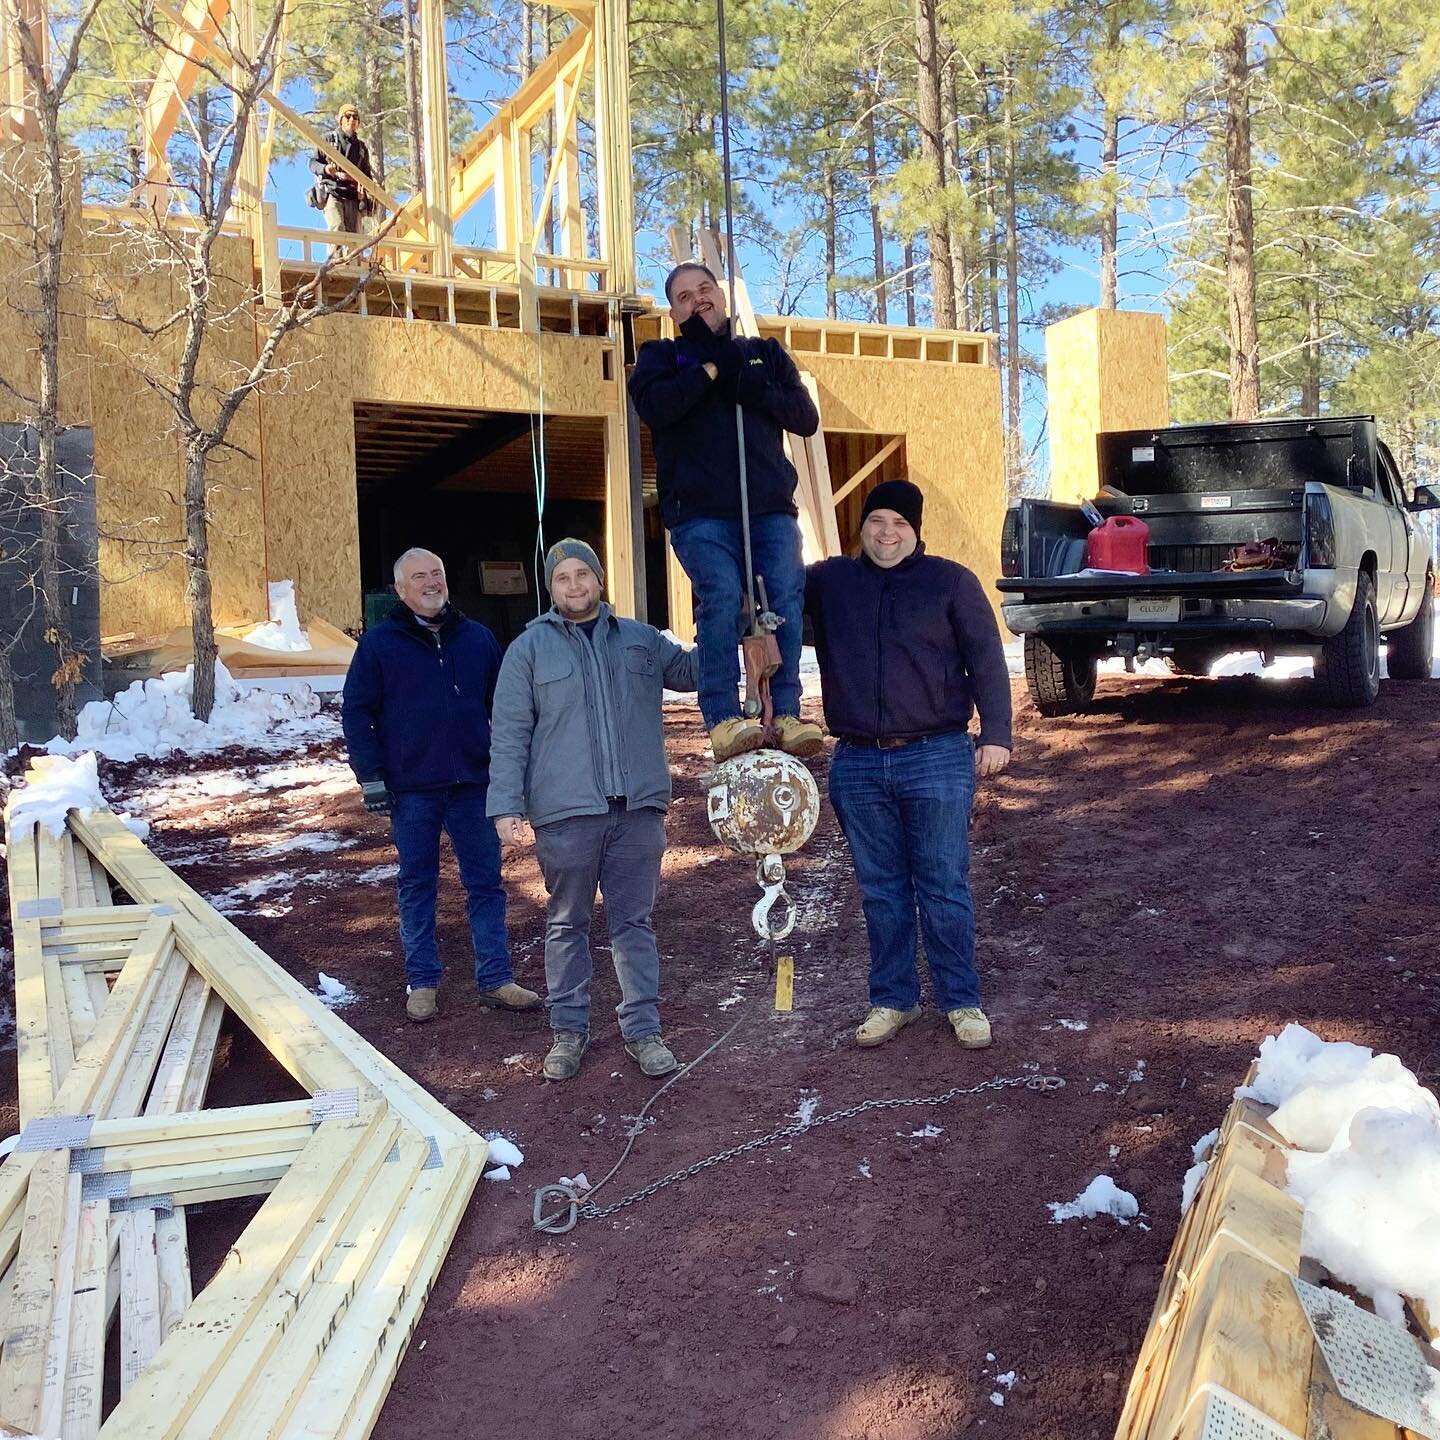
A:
(1287, 537)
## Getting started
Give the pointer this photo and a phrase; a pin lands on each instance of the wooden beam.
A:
(868, 468)
(435, 101)
(565, 124)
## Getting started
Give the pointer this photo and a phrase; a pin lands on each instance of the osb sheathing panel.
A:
(309, 424)
(22, 210)
(1105, 370)
(138, 456)
(950, 418)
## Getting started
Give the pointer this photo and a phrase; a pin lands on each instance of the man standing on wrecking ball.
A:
(579, 750)
(908, 648)
(686, 391)
(416, 714)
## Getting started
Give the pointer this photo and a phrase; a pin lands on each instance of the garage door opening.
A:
(463, 484)
(859, 462)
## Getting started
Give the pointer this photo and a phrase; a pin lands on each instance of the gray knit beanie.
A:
(570, 549)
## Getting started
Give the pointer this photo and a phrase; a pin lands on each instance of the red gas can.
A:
(1120, 543)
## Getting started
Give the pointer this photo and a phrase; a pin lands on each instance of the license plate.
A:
(1148, 612)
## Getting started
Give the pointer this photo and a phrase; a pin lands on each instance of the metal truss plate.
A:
(1376, 1365)
(434, 1160)
(56, 1132)
(1227, 1417)
(161, 1204)
(334, 1105)
(105, 1187)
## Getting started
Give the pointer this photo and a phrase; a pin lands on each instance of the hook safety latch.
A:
(770, 876)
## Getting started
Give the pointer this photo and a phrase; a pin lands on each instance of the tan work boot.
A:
(420, 1004)
(736, 737)
(510, 996)
(971, 1026)
(883, 1023)
(799, 737)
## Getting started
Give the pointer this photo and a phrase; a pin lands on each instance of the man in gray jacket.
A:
(577, 749)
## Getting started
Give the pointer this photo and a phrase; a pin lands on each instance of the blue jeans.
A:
(906, 815)
(620, 852)
(712, 554)
(416, 822)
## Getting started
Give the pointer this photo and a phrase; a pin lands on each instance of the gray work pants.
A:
(342, 213)
(620, 853)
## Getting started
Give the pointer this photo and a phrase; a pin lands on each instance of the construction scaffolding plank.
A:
(300, 1330)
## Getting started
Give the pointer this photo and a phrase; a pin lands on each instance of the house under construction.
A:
(466, 383)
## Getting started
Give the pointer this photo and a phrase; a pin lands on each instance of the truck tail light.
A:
(1319, 532)
(1010, 543)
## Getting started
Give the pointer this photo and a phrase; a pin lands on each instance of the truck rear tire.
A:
(1061, 677)
(1348, 670)
(1412, 647)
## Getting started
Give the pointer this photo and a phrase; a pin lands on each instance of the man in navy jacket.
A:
(908, 648)
(416, 714)
(686, 391)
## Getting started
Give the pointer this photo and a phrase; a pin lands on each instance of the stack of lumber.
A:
(123, 974)
(1230, 1350)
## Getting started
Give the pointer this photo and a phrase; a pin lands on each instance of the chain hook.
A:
(770, 876)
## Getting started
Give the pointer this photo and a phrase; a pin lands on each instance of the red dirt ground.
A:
(1183, 870)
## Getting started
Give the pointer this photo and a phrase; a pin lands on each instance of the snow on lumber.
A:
(1102, 1196)
(54, 786)
(152, 717)
(1367, 1163)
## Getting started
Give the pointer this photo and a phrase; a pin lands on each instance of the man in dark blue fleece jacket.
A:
(686, 391)
(416, 714)
(908, 649)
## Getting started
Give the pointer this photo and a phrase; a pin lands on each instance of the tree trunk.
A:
(959, 249)
(414, 121)
(907, 261)
(372, 100)
(1310, 383)
(197, 585)
(832, 248)
(9, 725)
(932, 151)
(1240, 230)
(877, 230)
(49, 485)
(992, 234)
(1012, 299)
(1109, 206)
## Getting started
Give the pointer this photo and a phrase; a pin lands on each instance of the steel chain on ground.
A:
(589, 1211)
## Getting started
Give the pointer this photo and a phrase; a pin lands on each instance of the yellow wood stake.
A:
(784, 983)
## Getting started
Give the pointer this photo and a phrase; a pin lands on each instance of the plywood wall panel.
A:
(1105, 370)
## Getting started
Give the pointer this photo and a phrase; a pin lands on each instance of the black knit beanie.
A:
(900, 496)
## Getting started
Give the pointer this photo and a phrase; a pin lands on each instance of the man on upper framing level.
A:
(686, 391)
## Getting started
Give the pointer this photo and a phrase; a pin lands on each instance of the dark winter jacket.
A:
(356, 151)
(416, 708)
(692, 423)
(907, 651)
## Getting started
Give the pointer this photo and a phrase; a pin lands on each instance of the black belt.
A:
(893, 742)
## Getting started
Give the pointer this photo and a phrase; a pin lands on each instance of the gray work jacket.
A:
(546, 732)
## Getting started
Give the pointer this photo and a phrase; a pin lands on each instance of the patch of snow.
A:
(519, 1059)
(1319, 1086)
(1137, 1074)
(1367, 1169)
(1074, 1024)
(1102, 1196)
(804, 1112)
(54, 786)
(865, 1169)
(335, 994)
(502, 1173)
(1008, 1379)
(376, 873)
(321, 844)
(1204, 1147)
(1190, 1185)
(282, 630)
(503, 1151)
(152, 717)
(242, 896)
(927, 1132)
(997, 1397)
(1114, 1151)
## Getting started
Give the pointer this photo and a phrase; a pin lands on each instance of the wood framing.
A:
(302, 1327)
(1229, 1343)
